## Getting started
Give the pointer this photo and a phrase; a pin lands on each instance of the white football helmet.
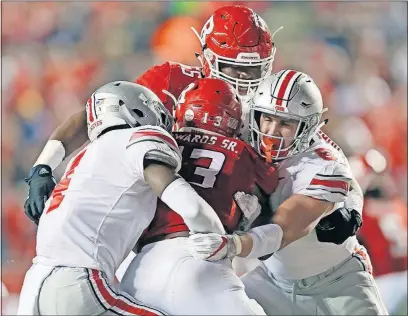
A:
(291, 95)
(125, 103)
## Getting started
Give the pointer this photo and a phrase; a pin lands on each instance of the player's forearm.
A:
(266, 239)
(72, 133)
(198, 215)
(299, 227)
(298, 216)
(260, 241)
(67, 137)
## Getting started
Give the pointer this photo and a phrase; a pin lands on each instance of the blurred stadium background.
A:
(55, 54)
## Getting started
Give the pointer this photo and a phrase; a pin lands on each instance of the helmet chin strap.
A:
(324, 121)
(200, 59)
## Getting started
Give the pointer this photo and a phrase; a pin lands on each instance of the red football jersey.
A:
(170, 76)
(216, 167)
(384, 233)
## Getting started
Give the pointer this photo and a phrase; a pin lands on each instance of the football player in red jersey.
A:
(236, 46)
(208, 117)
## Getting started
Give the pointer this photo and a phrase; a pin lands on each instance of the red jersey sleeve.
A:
(170, 76)
(157, 79)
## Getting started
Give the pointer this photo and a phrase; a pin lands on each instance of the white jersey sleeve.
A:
(355, 197)
(153, 143)
(330, 183)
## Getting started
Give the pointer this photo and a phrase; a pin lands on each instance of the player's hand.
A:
(41, 183)
(250, 207)
(338, 226)
(214, 247)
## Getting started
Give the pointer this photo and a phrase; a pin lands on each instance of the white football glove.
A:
(214, 247)
(250, 207)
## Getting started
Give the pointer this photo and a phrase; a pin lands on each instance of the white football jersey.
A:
(102, 204)
(321, 172)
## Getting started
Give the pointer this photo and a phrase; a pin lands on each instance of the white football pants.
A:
(166, 275)
(346, 289)
(75, 291)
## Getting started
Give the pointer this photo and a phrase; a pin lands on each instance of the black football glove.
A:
(41, 183)
(338, 226)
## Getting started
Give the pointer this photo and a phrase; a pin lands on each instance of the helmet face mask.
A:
(244, 86)
(122, 103)
(289, 96)
(235, 36)
(277, 148)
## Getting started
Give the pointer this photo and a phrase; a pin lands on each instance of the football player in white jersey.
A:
(314, 180)
(104, 201)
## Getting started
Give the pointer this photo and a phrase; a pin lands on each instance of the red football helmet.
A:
(236, 36)
(210, 105)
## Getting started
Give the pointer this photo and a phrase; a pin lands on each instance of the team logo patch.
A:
(189, 115)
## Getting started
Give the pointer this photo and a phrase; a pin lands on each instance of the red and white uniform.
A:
(170, 76)
(320, 278)
(216, 167)
(174, 78)
(320, 172)
(210, 164)
(97, 212)
(102, 193)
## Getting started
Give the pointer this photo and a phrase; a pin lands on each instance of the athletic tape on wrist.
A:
(266, 240)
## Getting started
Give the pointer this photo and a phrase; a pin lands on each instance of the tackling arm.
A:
(68, 137)
(298, 216)
(294, 219)
(198, 215)
(72, 133)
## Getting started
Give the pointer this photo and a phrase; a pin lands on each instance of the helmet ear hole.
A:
(257, 115)
(138, 112)
(121, 102)
(117, 84)
(163, 117)
(301, 128)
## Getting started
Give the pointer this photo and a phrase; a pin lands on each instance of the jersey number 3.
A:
(201, 166)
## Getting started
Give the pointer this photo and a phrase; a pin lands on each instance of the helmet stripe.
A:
(288, 91)
(94, 106)
(284, 86)
(89, 106)
(277, 86)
